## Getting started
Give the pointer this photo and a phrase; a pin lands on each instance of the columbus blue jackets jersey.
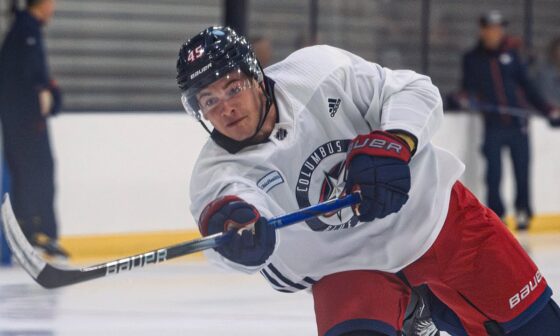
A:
(325, 97)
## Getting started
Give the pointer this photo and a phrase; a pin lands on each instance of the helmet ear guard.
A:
(191, 106)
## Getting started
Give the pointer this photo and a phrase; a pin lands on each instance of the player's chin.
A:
(245, 136)
(238, 134)
(241, 132)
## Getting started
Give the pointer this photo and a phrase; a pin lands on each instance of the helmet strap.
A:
(204, 126)
(267, 104)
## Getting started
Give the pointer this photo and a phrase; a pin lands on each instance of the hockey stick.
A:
(469, 103)
(505, 110)
(50, 276)
(553, 120)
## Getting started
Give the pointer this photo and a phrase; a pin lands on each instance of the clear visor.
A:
(206, 101)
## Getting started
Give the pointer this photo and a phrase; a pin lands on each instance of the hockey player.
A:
(324, 122)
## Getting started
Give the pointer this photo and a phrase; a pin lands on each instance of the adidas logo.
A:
(334, 103)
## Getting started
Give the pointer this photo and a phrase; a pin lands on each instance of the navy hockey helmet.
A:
(210, 55)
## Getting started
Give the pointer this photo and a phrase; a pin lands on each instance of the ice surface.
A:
(180, 298)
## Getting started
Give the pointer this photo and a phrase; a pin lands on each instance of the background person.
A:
(495, 78)
(263, 50)
(28, 96)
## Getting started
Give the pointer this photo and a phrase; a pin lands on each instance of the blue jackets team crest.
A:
(320, 179)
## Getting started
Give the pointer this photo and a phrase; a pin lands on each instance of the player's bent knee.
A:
(545, 323)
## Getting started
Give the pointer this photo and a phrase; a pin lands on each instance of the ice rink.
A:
(180, 298)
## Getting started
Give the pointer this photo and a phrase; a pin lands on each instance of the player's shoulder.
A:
(214, 161)
(205, 171)
(216, 170)
(324, 52)
(318, 57)
(210, 154)
(302, 72)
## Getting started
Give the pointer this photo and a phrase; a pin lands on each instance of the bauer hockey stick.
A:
(50, 276)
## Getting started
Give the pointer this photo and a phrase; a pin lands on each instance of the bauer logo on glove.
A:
(377, 167)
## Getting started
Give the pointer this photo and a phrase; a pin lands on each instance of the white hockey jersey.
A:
(325, 97)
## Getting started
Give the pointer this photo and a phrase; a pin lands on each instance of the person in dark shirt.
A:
(28, 95)
(496, 82)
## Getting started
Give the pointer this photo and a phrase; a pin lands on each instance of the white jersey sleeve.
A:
(388, 99)
(411, 103)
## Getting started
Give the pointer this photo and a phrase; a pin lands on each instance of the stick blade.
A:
(21, 249)
(52, 277)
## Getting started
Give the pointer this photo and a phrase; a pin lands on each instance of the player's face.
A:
(233, 105)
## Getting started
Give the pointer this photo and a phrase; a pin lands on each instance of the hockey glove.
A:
(377, 166)
(254, 240)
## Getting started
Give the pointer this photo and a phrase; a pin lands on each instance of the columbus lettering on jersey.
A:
(320, 179)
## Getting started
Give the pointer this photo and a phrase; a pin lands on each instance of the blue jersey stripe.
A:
(284, 279)
(309, 280)
(270, 279)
